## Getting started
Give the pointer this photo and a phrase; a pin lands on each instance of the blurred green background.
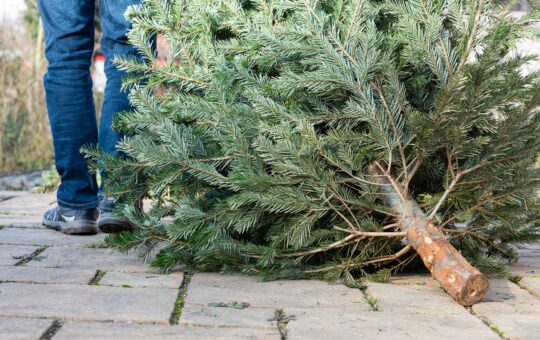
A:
(25, 139)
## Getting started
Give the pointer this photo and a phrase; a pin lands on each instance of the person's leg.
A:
(69, 44)
(113, 43)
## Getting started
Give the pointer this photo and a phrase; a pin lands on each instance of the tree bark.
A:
(459, 278)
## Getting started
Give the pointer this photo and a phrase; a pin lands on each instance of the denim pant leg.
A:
(69, 43)
(113, 43)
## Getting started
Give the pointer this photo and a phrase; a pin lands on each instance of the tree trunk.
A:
(461, 281)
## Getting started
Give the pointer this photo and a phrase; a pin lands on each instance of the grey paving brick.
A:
(402, 298)
(514, 311)
(358, 323)
(529, 261)
(87, 303)
(46, 275)
(264, 298)
(117, 331)
(194, 314)
(22, 329)
(8, 252)
(423, 312)
(45, 237)
(6, 194)
(415, 280)
(531, 284)
(272, 294)
(21, 221)
(142, 280)
(28, 204)
(84, 258)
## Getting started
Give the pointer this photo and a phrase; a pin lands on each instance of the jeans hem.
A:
(89, 205)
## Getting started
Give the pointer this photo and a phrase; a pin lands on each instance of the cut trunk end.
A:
(458, 277)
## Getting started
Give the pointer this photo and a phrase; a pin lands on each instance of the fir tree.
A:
(277, 130)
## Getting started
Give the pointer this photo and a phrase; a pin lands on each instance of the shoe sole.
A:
(72, 228)
(114, 225)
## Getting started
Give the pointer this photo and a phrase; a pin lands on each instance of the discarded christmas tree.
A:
(302, 138)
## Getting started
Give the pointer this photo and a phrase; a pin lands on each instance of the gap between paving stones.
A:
(34, 256)
(53, 283)
(94, 281)
(488, 323)
(370, 299)
(29, 226)
(74, 319)
(99, 275)
(136, 322)
(6, 198)
(282, 321)
(181, 299)
(52, 330)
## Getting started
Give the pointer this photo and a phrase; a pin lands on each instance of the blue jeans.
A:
(69, 45)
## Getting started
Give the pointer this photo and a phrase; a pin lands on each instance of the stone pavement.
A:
(54, 286)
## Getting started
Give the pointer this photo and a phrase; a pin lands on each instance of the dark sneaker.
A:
(72, 221)
(111, 223)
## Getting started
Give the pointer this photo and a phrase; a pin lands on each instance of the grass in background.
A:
(25, 140)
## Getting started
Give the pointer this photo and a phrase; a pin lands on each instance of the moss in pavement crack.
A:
(282, 321)
(99, 275)
(52, 330)
(34, 256)
(180, 300)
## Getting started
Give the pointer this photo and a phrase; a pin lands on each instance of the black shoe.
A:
(72, 221)
(109, 222)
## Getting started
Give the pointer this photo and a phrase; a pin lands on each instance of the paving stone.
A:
(423, 312)
(142, 280)
(28, 204)
(194, 314)
(87, 303)
(531, 284)
(529, 261)
(116, 331)
(45, 237)
(530, 246)
(522, 270)
(264, 298)
(7, 194)
(84, 258)
(331, 323)
(289, 293)
(414, 280)
(402, 297)
(21, 198)
(532, 261)
(514, 311)
(21, 221)
(7, 252)
(46, 275)
(348, 323)
(23, 329)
